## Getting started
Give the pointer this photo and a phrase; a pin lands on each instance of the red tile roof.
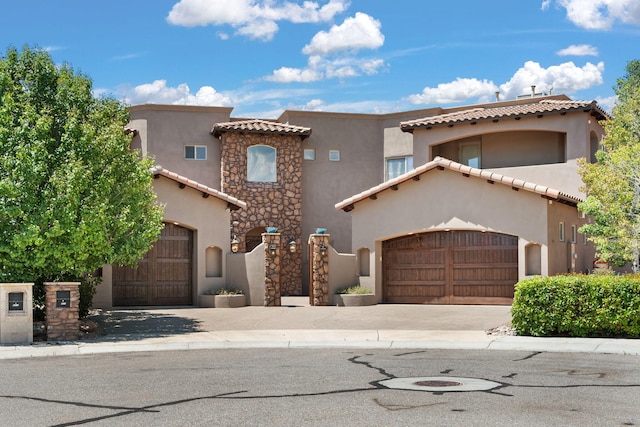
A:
(442, 163)
(260, 126)
(232, 202)
(541, 107)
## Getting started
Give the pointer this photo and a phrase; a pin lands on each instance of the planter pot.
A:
(207, 301)
(230, 301)
(355, 300)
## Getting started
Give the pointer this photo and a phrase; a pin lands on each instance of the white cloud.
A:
(333, 54)
(607, 103)
(601, 14)
(159, 93)
(354, 34)
(253, 18)
(288, 75)
(578, 50)
(564, 78)
(458, 90)
(319, 68)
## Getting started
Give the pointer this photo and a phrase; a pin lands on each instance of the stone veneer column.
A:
(319, 265)
(63, 323)
(271, 270)
(269, 204)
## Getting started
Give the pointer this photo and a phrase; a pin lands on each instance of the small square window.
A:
(195, 152)
(309, 154)
(334, 155)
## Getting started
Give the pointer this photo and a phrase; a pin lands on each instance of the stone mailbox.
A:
(16, 313)
(63, 311)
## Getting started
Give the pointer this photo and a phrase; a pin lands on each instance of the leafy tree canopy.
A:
(613, 183)
(73, 197)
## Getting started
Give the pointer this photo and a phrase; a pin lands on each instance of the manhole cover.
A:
(436, 383)
(440, 384)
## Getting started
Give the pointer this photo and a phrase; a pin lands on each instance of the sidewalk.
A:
(296, 325)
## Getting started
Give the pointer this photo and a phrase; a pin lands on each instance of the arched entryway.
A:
(163, 276)
(450, 267)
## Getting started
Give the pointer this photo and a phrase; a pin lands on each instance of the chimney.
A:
(533, 90)
(497, 96)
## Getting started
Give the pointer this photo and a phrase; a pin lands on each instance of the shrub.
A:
(228, 291)
(87, 289)
(356, 289)
(578, 306)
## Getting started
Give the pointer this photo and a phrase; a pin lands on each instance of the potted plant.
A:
(355, 296)
(229, 298)
(207, 299)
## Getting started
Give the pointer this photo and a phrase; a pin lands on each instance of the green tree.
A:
(73, 196)
(613, 183)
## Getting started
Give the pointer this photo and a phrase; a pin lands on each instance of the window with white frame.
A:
(334, 155)
(195, 152)
(574, 234)
(397, 166)
(561, 232)
(261, 164)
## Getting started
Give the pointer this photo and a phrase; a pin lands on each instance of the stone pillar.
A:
(16, 313)
(319, 265)
(271, 269)
(62, 303)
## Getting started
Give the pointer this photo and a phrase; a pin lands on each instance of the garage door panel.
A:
(469, 267)
(163, 277)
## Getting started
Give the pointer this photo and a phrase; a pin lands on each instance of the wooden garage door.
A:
(454, 267)
(163, 276)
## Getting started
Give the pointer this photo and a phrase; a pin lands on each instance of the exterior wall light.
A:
(323, 249)
(235, 245)
(292, 246)
(273, 249)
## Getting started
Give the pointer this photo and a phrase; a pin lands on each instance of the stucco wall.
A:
(246, 271)
(443, 200)
(560, 252)
(577, 126)
(522, 148)
(170, 127)
(207, 217)
(342, 272)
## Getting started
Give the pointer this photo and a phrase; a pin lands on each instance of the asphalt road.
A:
(320, 387)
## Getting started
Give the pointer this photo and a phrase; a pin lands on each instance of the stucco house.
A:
(442, 205)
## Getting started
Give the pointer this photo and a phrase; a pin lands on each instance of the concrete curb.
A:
(299, 339)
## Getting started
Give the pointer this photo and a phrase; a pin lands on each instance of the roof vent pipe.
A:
(533, 90)
(497, 96)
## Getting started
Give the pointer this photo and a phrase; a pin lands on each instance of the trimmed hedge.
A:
(578, 306)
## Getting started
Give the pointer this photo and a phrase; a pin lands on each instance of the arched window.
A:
(213, 259)
(533, 259)
(363, 261)
(261, 164)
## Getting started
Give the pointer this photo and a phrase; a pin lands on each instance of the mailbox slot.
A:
(63, 299)
(16, 301)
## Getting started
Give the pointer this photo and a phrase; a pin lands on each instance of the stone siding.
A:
(63, 323)
(272, 274)
(320, 269)
(269, 204)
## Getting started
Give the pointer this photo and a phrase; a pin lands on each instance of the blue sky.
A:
(361, 56)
